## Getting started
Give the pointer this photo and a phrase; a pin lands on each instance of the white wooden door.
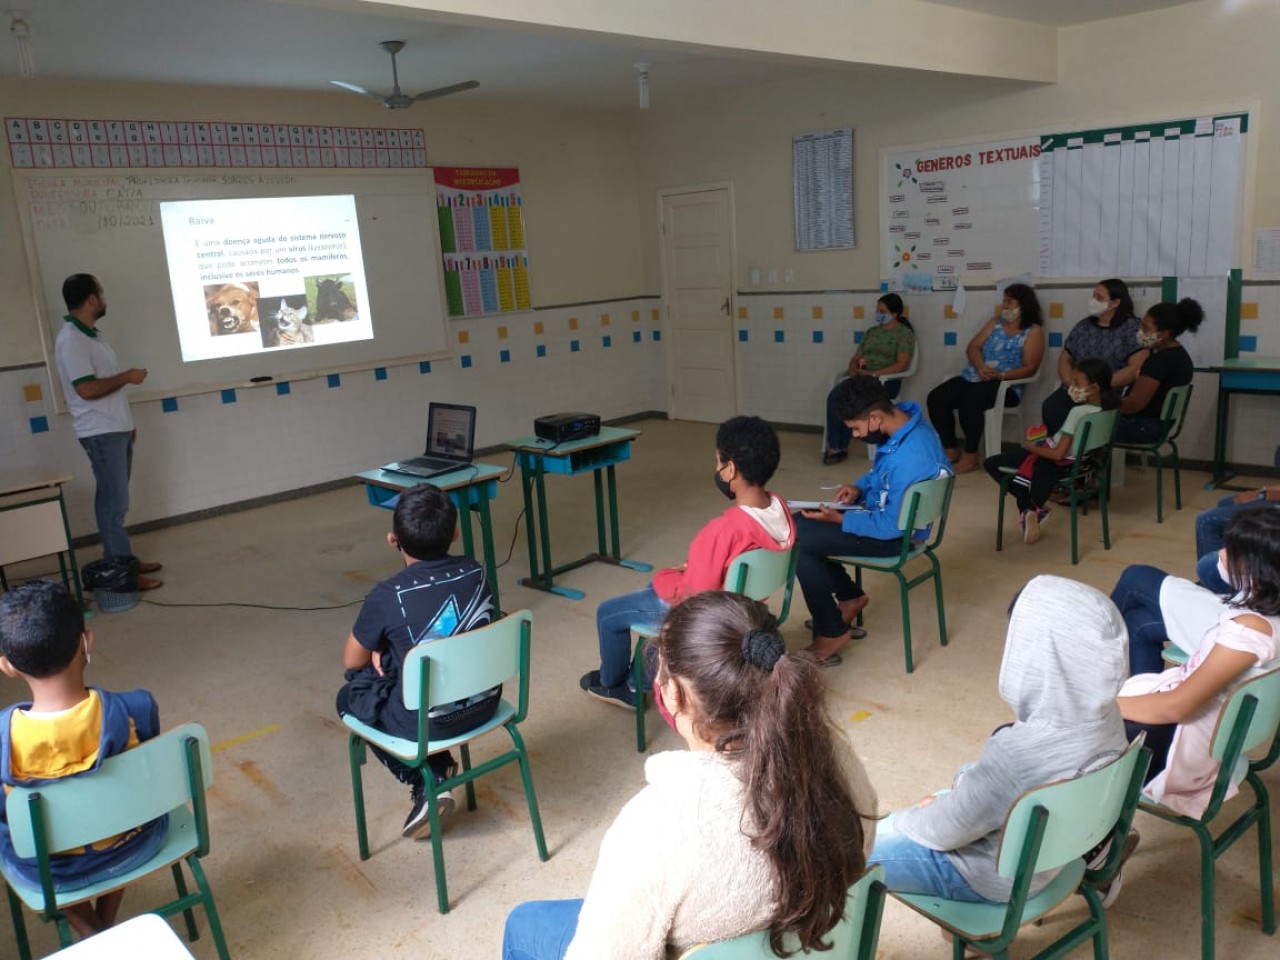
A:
(697, 282)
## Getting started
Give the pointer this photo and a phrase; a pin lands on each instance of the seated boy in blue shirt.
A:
(434, 596)
(66, 730)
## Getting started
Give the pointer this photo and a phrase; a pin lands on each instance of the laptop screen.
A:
(451, 431)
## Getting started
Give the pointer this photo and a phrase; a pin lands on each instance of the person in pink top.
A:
(747, 454)
(1228, 639)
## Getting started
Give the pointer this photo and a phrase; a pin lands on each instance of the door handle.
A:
(725, 306)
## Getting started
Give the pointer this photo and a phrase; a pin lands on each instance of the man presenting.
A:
(94, 388)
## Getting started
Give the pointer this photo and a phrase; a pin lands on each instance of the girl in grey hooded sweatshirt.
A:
(1065, 657)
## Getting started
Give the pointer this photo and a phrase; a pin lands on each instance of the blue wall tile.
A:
(466, 361)
(1249, 344)
(949, 338)
(380, 373)
(857, 336)
(657, 336)
(424, 366)
(607, 340)
(542, 350)
(779, 336)
(1055, 339)
(574, 346)
(817, 336)
(283, 389)
(635, 336)
(228, 396)
(742, 336)
(504, 356)
(39, 424)
(169, 404)
(334, 380)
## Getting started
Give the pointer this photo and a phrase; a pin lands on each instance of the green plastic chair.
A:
(1049, 827)
(853, 938)
(1090, 476)
(1249, 719)
(1173, 415)
(165, 775)
(442, 671)
(925, 504)
(758, 574)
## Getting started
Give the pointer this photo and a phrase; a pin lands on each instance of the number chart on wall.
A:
(482, 240)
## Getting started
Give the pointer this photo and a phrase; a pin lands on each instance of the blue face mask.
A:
(882, 318)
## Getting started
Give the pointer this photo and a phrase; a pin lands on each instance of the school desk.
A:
(470, 488)
(594, 455)
(33, 523)
(145, 937)
(1257, 375)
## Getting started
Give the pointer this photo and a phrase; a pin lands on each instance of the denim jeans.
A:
(614, 618)
(111, 457)
(540, 929)
(911, 867)
(1137, 596)
(824, 581)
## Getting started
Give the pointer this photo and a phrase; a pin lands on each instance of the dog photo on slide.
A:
(233, 308)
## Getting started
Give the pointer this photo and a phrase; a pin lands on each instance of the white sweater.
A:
(676, 869)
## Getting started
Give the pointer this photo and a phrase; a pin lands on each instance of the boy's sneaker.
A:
(1098, 856)
(417, 826)
(619, 696)
(1030, 521)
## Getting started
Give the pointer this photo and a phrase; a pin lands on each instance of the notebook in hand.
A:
(451, 435)
(819, 504)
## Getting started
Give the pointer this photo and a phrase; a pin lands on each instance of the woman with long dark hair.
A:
(760, 824)
(1168, 366)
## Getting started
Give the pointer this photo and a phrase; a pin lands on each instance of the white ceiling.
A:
(1060, 13)
(260, 43)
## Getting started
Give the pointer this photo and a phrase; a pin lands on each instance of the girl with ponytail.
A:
(1168, 366)
(761, 824)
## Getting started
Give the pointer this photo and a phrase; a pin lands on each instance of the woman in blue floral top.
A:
(1009, 346)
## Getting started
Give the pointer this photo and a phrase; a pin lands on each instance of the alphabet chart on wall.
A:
(482, 239)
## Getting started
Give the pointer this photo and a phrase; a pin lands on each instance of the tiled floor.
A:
(284, 864)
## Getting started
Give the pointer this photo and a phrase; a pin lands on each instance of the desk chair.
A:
(442, 671)
(165, 775)
(886, 378)
(853, 938)
(1172, 415)
(1249, 719)
(993, 419)
(925, 504)
(1050, 827)
(757, 574)
(1089, 477)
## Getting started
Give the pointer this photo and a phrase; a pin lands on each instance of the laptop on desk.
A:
(451, 436)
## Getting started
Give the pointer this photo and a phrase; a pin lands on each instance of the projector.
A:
(563, 427)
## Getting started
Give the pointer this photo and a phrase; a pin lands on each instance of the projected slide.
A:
(261, 275)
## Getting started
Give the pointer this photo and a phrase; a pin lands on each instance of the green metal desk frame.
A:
(470, 489)
(1260, 375)
(595, 455)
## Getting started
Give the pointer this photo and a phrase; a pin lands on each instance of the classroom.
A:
(624, 123)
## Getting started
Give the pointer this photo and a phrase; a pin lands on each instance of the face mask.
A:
(1077, 394)
(1097, 307)
(662, 706)
(1147, 340)
(723, 486)
(1011, 314)
(874, 437)
(883, 318)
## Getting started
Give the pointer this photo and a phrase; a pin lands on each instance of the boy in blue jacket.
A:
(67, 730)
(907, 451)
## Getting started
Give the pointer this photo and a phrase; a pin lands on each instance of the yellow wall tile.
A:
(31, 393)
(779, 313)
(573, 323)
(502, 333)
(538, 327)
(1248, 311)
(1056, 311)
(635, 316)
(947, 312)
(859, 313)
(654, 314)
(604, 320)
(742, 313)
(464, 337)
(817, 313)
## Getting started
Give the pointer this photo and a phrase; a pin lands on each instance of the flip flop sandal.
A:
(832, 661)
(855, 633)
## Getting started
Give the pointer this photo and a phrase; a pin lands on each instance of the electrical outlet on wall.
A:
(789, 276)
(755, 276)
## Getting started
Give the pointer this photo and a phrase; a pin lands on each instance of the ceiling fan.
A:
(397, 99)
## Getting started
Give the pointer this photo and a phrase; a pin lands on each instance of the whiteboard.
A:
(109, 225)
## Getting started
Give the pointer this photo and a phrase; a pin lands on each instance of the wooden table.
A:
(470, 488)
(33, 523)
(1257, 375)
(595, 455)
